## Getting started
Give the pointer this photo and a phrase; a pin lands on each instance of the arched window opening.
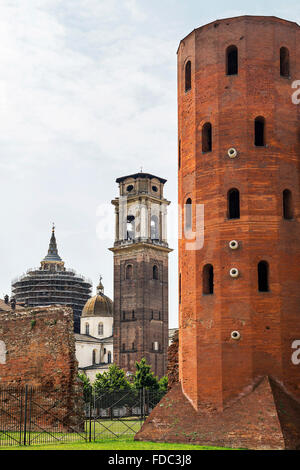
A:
(94, 356)
(179, 154)
(284, 62)
(133, 346)
(154, 227)
(87, 329)
(233, 204)
(259, 130)
(129, 271)
(130, 227)
(100, 329)
(263, 276)
(207, 137)
(287, 204)
(155, 272)
(109, 357)
(232, 60)
(123, 315)
(188, 76)
(208, 279)
(188, 214)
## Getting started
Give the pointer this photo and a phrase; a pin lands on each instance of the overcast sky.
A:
(88, 94)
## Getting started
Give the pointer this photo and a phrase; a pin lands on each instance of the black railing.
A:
(30, 416)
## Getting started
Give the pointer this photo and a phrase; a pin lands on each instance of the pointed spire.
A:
(100, 288)
(52, 251)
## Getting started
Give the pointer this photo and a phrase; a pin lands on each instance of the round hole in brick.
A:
(234, 272)
(232, 152)
(235, 335)
(233, 244)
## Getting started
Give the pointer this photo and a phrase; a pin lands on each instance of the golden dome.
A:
(98, 306)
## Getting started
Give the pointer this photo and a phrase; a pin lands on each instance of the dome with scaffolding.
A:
(53, 284)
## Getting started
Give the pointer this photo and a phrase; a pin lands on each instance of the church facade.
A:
(94, 344)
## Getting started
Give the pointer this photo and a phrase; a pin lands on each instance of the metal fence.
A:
(30, 416)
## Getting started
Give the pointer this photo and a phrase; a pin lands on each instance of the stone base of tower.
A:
(265, 418)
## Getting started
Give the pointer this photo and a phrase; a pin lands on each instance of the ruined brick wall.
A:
(214, 368)
(173, 373)
(38, 350)
(40, 347)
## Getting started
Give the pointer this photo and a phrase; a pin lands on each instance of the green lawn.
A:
(114, 444)
(102, 429)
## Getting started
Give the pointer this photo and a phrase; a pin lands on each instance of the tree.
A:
(144, 377)
(163, 385)
(112, 380)
(112, 389)
(87, 387)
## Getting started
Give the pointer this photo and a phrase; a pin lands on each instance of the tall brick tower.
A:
(239, 282)
(141, 273)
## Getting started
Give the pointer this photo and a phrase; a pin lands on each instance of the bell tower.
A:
(141, 273)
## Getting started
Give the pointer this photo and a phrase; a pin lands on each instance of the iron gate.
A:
(31, 415)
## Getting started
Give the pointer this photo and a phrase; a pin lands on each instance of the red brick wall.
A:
(213, 367)
(40, 347)
(173, 376)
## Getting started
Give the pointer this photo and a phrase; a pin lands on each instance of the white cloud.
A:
(87, 94)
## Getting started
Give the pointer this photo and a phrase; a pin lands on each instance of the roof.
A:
(240, 18)
(98, 306)
(96, 366)
(140, 175)
(52, 250)
(86, 338)
(92, 339)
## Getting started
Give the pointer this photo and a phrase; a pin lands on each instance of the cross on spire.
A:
(52, 250)
(100, 288)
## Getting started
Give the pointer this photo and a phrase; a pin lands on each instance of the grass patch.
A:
(100, 430)
(115, 444)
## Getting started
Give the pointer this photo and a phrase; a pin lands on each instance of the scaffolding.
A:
(52, 284)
